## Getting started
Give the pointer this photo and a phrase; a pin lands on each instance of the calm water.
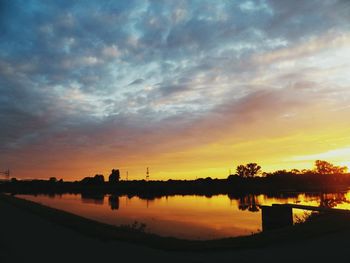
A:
(191, 216)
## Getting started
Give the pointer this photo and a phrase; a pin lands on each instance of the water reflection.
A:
(332, 200)
(88, 198)
(277, 216)
(248, 202)
(113, 201)
(189, 216)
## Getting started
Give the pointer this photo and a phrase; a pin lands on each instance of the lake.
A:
(189, 216)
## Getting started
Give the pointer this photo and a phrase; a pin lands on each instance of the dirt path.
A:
(25, 237)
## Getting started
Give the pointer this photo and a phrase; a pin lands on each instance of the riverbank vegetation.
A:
(248, 178)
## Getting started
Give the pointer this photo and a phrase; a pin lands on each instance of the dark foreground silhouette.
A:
(323, 224)
(30, 226)
(248, 179)
(233, 185)
(33, 233)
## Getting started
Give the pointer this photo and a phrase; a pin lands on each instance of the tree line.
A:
(321, 167)
(113, 178)
(249, 170)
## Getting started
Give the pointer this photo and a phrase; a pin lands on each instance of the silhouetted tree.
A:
(281, 173)
(232, 177)
(295, 171)
(53, 179)
(253, 169)
(114, 176)
(308, 172)
(248, 170)
(324, 167)
(241, 171)
(97, 179)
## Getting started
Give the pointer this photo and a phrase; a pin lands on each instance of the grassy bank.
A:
(327, 224)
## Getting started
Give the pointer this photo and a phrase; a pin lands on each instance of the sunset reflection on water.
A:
(189, 216)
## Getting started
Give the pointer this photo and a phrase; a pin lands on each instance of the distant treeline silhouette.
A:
(248, 179)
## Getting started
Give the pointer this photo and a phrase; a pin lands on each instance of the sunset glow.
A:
(188, 88)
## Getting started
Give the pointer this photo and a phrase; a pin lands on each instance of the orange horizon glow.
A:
(211, 155)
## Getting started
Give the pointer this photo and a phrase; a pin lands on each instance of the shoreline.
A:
(154, 189)
(102, 231)
(34, 233)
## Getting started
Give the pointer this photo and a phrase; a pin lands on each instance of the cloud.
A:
(332, 154)
(129, 76)
(136, 82)
(310, 47)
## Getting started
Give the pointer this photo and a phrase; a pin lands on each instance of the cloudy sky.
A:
(188, 88)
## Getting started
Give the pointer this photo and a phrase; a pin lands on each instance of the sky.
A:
(187, 88)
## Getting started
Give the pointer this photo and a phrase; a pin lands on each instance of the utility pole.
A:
(127, 175)
(147, 174)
